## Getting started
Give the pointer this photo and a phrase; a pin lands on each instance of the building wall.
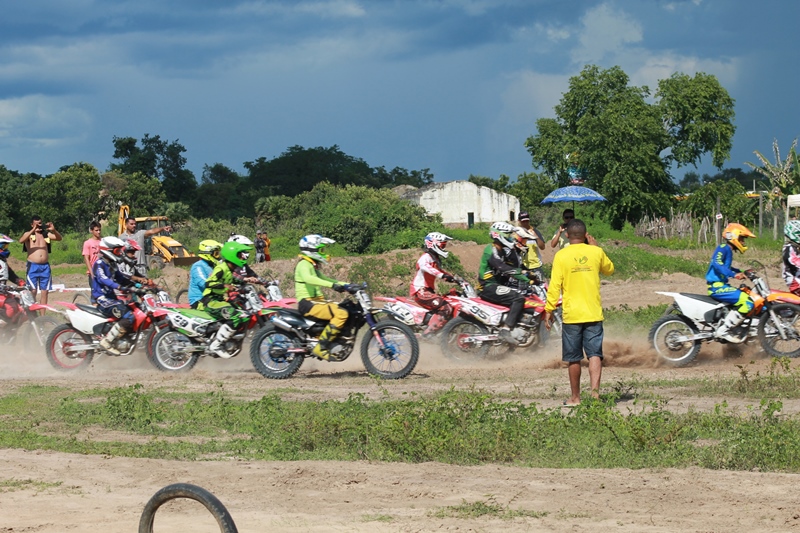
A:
(454, 200)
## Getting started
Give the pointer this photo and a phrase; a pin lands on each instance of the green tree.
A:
(783, 175)
(734, 203)
(400, 176)
(627, 144)
(141, 192)
(70, 198)
(500, 184)
(14, 193)
(690, 182)
(531, 188)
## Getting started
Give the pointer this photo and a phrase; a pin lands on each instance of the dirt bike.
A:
(73, 345)
(474, 334)
(389, 348)
(20, 319)
(416, 317)
(189, 332)
(694, 319)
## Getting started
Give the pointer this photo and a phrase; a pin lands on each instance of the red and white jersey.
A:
(427, 272)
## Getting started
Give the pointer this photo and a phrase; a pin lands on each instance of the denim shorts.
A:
(579, 338)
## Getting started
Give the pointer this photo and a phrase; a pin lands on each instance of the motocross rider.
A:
(220, 282)
(128, 266)
(495, 276)
(308, 281)
(429, 267)
(209, 253)
(719, 270)
(11, 307)
(791, 256)
(106, 278)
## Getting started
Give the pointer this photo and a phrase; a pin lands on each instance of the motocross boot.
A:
(435, 324)
(506, 336)
(732, 319)
(322, 349)
(111, 337)
(217, 346)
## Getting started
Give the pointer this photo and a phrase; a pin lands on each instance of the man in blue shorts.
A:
(36, 242)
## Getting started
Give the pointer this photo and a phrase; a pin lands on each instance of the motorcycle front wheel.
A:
(769, 335)
(167, 351)
(37, 330)
(665, 335)
(456, 344)
(59, 354)
(270, 355)
(390, 351)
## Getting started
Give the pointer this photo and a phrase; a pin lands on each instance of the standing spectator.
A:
(533, 257)
(261, 245)
(139, 236)
(266, 248)
(91, 249)
(560, 238)
(36, 242)
(576, 274)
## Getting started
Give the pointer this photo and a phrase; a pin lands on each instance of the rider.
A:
(219, 283)
(244, 271)
(6, 272)
(719, 270)
(208, 252)
(106, 279)
(429, 267)
(310, 300)
(128, 266)
(791, 256)
(495, 275)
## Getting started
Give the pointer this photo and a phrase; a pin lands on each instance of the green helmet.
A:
(236, 253)
(792, 231)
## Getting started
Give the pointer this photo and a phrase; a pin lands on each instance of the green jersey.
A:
(308, 280)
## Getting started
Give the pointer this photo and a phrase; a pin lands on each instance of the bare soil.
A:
(108, 493)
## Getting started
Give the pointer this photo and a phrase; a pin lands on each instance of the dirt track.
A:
(108, 493)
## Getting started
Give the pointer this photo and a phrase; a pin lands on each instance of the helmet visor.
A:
(244, 256)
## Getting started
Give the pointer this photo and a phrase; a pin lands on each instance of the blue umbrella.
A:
(573, 193)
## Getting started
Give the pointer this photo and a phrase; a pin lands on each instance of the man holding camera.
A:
(36, 242)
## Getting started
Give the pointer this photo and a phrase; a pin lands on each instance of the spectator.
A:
(576, 274)
(533, 257)
(261, 245)
(139, 236)
(36, 242)
(560, 238)
(91, 249)
(266, 248)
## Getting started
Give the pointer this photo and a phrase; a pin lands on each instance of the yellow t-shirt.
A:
(576, 274)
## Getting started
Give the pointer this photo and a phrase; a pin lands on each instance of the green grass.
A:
(11, 485)
(489, 508)
(626, 319)
(459, 427)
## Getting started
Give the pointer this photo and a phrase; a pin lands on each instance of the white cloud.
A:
(41, 121)
(605, 32)
(552, 33)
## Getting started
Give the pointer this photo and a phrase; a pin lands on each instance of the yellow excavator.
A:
(159, 249)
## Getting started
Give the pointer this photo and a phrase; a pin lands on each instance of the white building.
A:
(462, 203)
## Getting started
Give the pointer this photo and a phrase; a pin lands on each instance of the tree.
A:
(690, 182)
(499, 185)
(70, 198)
(14, 193)
(734, 204)
(784, 176)
(400, 176)
(141, 192)
(531, 188)
(159, 159)
(627, 144)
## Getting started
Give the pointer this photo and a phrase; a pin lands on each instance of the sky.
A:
(455, 86)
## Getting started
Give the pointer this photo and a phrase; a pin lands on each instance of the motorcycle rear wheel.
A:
(161, 352)
(454, 349)
(663, 337)
(396, 357)
(57, 345)
(770, 339)
(268, 353)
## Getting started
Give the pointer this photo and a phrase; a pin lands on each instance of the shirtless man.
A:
(36, 242)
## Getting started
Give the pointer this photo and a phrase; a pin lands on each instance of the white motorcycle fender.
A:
(491, 316)
(693, 308)
(83, 321)
(406, 313)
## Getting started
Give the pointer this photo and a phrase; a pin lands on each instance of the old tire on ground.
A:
(57, 349)
(269, 352)
(454, 348)
(192, 492)
(395, 355)
(664, 337)
(163, 354)
(770, 339)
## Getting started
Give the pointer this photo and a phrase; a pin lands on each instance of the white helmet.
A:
(522, 236)
(500, 232)
(435, 242)
(312, 246)
(241, 239)
(112, 248)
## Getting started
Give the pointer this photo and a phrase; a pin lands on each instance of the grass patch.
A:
(490, 507)
(12, 485)
(458, 427)
(626, 319)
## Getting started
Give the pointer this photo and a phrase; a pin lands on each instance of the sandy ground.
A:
(83, 493)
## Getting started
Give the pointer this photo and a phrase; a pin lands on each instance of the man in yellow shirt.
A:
(576, 274)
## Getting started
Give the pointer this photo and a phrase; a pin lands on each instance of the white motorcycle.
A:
(695, 318)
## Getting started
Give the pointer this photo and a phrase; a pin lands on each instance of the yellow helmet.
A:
(209, 250)
(735, 234)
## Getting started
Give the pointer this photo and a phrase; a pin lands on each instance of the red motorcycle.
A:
(20, 320)
(73, 345)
